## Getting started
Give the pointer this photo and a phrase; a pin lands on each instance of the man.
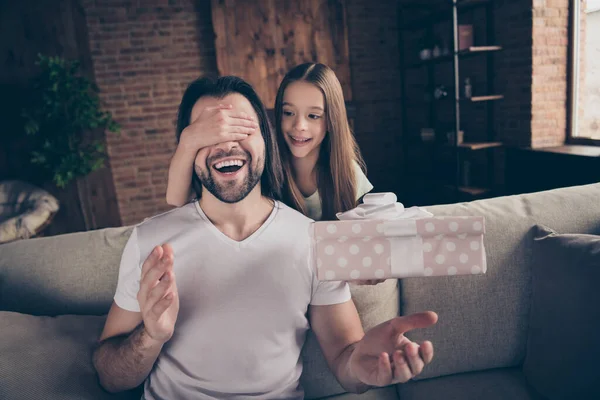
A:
(222, 310)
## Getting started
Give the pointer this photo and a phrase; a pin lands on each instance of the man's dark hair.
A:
(272, 177)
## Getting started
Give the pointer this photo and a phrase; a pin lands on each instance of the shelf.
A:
(479, 49)
(476, 99)
(473, 50)
(467, 146)
(479, 145)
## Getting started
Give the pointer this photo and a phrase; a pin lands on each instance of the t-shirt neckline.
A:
(231, 241)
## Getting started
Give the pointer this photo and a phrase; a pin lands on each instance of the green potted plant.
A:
(63, 109)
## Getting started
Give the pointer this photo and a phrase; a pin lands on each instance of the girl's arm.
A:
(179, 184)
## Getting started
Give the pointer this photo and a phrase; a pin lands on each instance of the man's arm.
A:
(383, 356)
(338, 328)
(125, 354)
(131, 341)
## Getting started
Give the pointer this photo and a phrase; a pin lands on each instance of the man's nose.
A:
(226, 147)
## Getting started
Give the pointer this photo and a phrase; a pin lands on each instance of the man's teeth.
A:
(229, 163)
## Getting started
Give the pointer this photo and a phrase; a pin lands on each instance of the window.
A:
(585, 71)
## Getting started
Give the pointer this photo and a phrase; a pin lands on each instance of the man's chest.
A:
(241, 284)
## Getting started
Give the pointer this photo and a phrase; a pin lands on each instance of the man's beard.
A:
(231, 191)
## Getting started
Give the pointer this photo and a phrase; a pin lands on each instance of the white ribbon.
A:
(406, 256)
(382, 206)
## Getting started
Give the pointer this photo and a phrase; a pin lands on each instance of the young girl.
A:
(322, 163)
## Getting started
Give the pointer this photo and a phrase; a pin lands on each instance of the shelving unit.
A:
(458, 186)
(473, 50)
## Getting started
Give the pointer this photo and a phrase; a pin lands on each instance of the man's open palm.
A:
(385, 356)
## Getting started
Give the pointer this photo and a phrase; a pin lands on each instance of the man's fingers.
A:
(157, 271)
(414, 321)
(384, 370)
(168, 251)
(415, 362)
(426, 351)
(151, 260)
(160, 307)
(402, 371)
(153, 276)
(160, 290)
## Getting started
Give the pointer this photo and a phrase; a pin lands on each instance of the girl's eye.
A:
(287, 113)
(314, 116)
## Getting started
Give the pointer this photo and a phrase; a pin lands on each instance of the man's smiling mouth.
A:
(229, 166)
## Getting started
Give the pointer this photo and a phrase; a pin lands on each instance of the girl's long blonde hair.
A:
(336, 177)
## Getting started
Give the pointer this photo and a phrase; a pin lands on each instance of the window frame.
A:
(573, 77)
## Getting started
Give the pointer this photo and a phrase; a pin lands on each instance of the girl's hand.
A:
(216, 125)
(368, 282)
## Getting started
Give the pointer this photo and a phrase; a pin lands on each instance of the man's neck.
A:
(238, 220)
(305, 172)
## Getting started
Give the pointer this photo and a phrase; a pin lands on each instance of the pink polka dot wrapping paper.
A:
(381, 249)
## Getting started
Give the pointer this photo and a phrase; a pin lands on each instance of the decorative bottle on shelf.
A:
(468, 88)
(440, 92)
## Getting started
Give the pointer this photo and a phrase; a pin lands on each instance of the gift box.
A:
(363, 249)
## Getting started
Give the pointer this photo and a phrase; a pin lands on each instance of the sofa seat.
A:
(49, 357)
(493, 384)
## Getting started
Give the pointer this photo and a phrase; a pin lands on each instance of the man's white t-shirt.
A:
(242, 318)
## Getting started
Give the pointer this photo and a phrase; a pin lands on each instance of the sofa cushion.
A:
(384, 393)
(375, 304)
(50, 358)
(483, 319)
(563, 348)
(496, 384)
(66, 274)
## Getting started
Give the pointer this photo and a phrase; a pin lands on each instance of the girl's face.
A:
(303, 120)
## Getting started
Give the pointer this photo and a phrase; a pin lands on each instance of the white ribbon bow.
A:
(383, 206)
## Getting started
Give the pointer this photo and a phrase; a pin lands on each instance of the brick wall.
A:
(144, 56)
(513, 66)
(375, 76)
(549, 80)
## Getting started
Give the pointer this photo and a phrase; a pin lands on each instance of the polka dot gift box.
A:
(399, 248)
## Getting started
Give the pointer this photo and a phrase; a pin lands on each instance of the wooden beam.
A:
(262, 40)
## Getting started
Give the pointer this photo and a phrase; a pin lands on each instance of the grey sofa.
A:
(54, 293)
